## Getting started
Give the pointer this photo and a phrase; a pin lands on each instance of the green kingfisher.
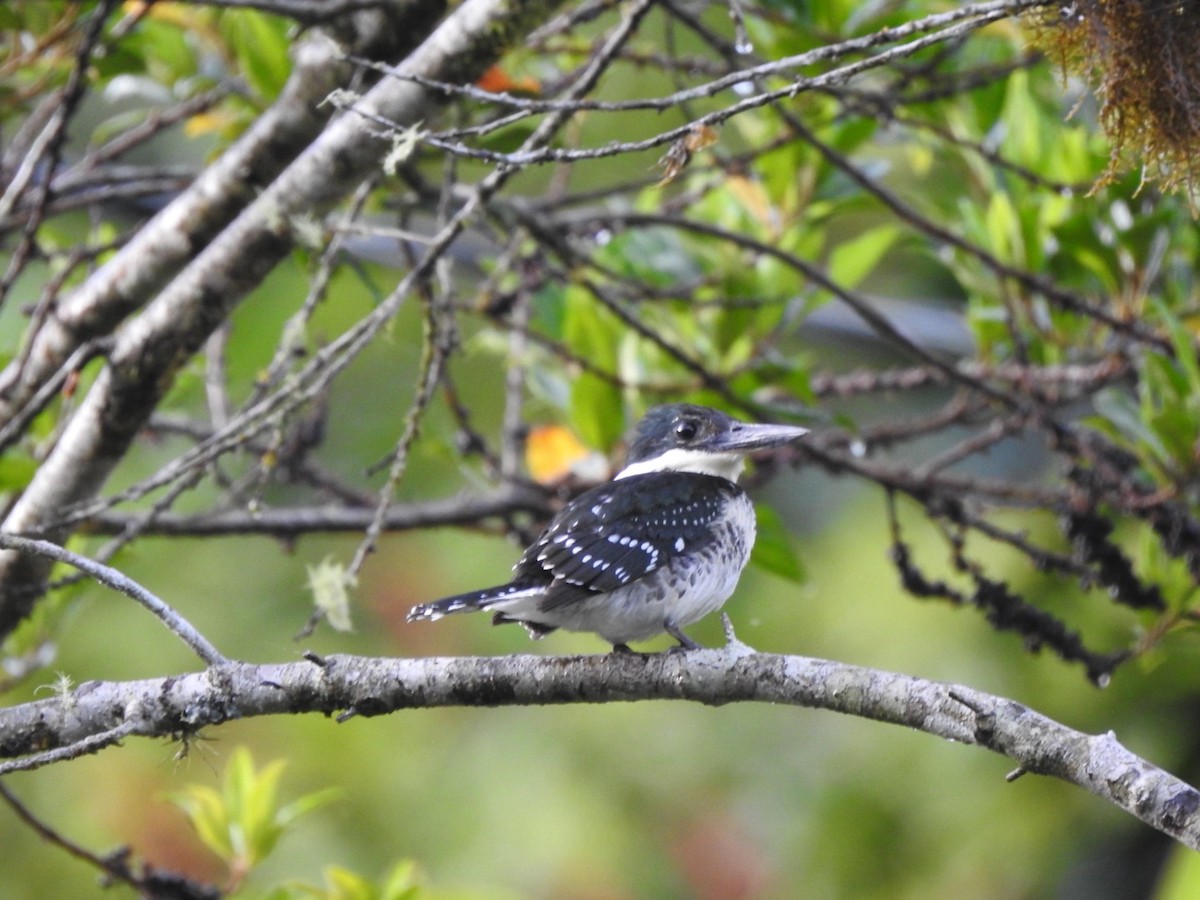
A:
(659, 547)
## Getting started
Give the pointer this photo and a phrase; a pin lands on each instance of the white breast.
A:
(686, 590)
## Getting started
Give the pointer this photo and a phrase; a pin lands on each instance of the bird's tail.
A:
(472, 601)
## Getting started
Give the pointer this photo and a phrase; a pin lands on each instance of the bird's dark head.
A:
(682, 437)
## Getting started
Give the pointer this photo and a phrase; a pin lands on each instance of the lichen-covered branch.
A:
(150, 348)
(223, 189)
(38, 733)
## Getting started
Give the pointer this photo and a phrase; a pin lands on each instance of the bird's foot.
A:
(685, 642)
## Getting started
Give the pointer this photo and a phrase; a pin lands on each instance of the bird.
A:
(658, 547)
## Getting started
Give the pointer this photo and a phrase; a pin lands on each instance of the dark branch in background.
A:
(306, 11)
(1003, 609)
(115, 867)
(358, 686)
(1087, 378)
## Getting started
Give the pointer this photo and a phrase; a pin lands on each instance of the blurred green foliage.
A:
(243, 821)
(648, 800)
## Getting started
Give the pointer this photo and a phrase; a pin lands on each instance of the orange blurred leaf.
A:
(178, 14)
(700, 137)
(213, 122)
(551, 452)
(497, 81)
(751, 194)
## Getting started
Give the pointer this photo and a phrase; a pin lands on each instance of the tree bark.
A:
(149, 349)
(98, 713)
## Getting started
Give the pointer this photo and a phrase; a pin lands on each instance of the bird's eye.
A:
(685, 430)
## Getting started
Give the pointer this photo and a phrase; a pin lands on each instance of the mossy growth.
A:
(1143, 58)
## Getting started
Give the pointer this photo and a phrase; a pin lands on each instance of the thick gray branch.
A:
(150, 348)
(359, 686)
(225, 188)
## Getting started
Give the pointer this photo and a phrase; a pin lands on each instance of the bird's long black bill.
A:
(744, 437)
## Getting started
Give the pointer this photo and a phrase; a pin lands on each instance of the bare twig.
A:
(111, 867)
(85, 745)
(110, 577)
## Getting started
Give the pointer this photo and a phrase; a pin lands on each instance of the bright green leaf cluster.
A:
(244, 821)
(342, 884)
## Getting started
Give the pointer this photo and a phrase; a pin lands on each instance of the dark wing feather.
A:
(622, 531)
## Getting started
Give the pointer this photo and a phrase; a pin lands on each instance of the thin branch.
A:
(292, 522)
(49, 389)
(963, 19)
(113, 867)
(47, 149)
(84, 746)
(306, 11)
(717, 117)
(1085, 378)
(110, 577)
(438, 344)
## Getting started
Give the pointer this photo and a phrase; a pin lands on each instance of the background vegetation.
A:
(298, 339)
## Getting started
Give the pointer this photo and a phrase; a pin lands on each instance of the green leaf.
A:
(1175, 429)
(852, 133)
(342, 884)
(206, 812)
(1023, 120)
(1003, 228)
(401, 882)
(243, 822)
(250, 797)
(507, 140)
(1183, 345)
(853, 260)
(261, 46)
(1120, 409)
(774, 550)
(16, 470)
(597, 411)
